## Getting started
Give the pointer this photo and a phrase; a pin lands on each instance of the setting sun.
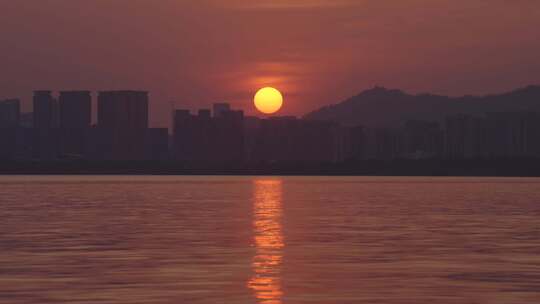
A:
(268, 100)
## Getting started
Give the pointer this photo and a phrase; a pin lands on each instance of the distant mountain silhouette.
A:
(383, 107)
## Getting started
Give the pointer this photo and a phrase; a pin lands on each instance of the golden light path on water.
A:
(266, 264)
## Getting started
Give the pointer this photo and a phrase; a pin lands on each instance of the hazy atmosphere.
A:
(317, 52)
(270, 151)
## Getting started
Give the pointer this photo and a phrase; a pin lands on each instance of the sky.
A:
(192, 53)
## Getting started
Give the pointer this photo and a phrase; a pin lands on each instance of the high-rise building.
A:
(16, 138)
(351, 143)
(45, 131)
(383, 143)
(10, 113)
(252, 126)
(288, 139)
(157, 144)
(8, 143)
(205, 114)
(276, 140)
(75, 119)
(422, 139)
(122, 125)
(201, 138)
(182, 135)
(220, 108)
(532, 134)
(229, 137)
(465, 137)
(123, 109)
(512, 134)
(75, 109)
(9, 128)
(45, 110)
(27, 120)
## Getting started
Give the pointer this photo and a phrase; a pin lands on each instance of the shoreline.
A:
(523, 167)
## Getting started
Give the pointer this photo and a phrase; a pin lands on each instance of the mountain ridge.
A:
(382, 107)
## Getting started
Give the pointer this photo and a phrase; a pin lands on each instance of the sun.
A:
(268, 100)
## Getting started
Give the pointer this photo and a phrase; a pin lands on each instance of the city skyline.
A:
(92, 101)
(269, 151)
(195, 53)
(62, 129)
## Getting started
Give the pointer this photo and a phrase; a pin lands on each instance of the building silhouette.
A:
(123, 110)
(62, 129)
(46, 139)
(205, 138)
(386, 143)
(511, 134)
(463, 134)
(230, 137)
(10, 113)
(9, 132)
(27, 120)
(122, 126)
(352, 143)
(75, 109)
(183, 135)
(45, 110)
(156, 144)
(422, 139)
(252, 126)
(220, 108)
(288, 139)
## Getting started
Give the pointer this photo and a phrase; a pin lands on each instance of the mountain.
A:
(384, 107)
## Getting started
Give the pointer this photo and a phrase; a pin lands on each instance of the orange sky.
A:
(317, 52)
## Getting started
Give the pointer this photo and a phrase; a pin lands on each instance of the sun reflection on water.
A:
(266, 265)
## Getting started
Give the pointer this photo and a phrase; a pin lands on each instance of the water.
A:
(269, 240)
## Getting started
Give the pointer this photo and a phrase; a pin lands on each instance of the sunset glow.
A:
(268, 100)
(269, 244)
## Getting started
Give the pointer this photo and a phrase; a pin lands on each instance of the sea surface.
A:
(271, 240)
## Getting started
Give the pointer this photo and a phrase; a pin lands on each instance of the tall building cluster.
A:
(61, 127)
(493, 135)
(205, 137)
